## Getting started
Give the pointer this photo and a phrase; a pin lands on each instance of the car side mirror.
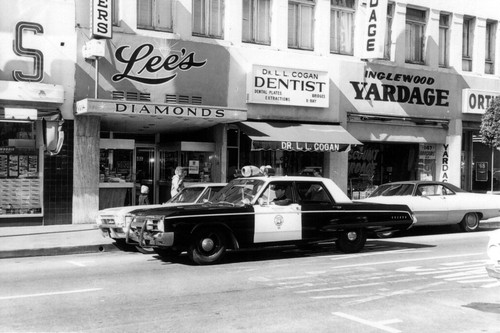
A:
(262, 202)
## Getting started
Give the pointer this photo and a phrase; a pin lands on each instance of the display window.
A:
(20, 176)
(373, 164)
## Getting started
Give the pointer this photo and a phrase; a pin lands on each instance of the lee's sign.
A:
(288, 86)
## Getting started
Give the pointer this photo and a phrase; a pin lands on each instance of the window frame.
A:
(444, 40)
(155, 16)
(410, 48)
(336, 38)
(490, 38)
(388, 33)
(254, 22)
(299, 6)
(467, 42)
(208, 19)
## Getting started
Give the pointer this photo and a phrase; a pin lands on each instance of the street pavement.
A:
(29, 241)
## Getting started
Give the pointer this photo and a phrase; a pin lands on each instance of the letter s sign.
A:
(37, 55)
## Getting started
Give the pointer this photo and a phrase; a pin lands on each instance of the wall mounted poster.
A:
(3, 166)
(33, 166)
(13, 166)
(23, 166)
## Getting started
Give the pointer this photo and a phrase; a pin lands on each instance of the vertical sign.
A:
(102, 19)
(375, 29)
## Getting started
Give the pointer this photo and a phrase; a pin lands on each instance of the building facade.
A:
(213, 85)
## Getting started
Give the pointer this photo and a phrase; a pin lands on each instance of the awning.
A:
(297, 137)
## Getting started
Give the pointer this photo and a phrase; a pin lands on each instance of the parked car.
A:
(256, 211)
(493, 250)
(114, 222)
(439, 203)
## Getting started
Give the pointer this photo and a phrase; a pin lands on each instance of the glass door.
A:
(145, 174)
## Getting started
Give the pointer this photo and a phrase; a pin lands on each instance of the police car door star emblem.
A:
(278, 220)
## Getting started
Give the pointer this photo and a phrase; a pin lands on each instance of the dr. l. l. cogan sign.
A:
(288, 86)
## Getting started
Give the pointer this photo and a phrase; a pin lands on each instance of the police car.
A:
(263, 210)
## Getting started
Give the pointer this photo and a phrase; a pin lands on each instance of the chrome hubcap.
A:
(352, 235)
(207, 244)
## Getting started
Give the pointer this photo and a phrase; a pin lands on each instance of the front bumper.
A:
(113, 231)
(141, 236)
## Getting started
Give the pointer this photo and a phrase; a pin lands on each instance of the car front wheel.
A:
(351, 241)
(208, 246)
(470, 222)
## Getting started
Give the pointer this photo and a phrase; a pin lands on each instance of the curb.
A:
(57, 251)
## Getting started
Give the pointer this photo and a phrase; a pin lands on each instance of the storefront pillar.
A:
(86, 169)
(449, 155)
(336, 168)
(219, 159)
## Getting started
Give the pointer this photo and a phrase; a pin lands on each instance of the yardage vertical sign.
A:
(102, 19)
(375, 29)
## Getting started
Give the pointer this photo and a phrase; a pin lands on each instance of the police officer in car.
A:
(281, 198)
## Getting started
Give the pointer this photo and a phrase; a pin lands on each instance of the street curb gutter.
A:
(57, 251)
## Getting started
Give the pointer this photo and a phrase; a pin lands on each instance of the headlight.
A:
(494, 252)
(494, 246)
(128, 221)
(153, 222)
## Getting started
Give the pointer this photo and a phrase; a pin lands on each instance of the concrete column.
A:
(336, 167)
(86, 169)
(432, 40)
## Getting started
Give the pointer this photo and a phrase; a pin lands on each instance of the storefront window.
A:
(373, 164)
(115, 166)
(20, 182)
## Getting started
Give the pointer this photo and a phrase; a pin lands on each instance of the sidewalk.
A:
(52, 240)
(78, 238)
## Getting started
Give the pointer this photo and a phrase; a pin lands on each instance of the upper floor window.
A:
(415, 29)
(467, 42)
(342, 26)
(154, 14)
(208, 18)
(301, 24)
(257, 21)
(444, 45)
(489, 67)
(388, 32)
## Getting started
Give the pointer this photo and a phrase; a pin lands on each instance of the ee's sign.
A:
(102, 19)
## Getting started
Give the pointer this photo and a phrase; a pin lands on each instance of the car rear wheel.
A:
(470, 222)
(208, 246)
(351, 241)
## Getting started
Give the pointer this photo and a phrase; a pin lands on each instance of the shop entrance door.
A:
(145, 162)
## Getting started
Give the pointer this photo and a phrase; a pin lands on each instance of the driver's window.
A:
(278, 193)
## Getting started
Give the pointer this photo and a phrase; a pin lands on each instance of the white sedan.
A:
(439, 203)
(114, 222)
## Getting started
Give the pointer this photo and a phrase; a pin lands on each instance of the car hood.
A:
(128, 209)
(196, 209)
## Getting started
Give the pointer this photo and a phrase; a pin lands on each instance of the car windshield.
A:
(239, 192)
(187, 195)
(393, 189)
